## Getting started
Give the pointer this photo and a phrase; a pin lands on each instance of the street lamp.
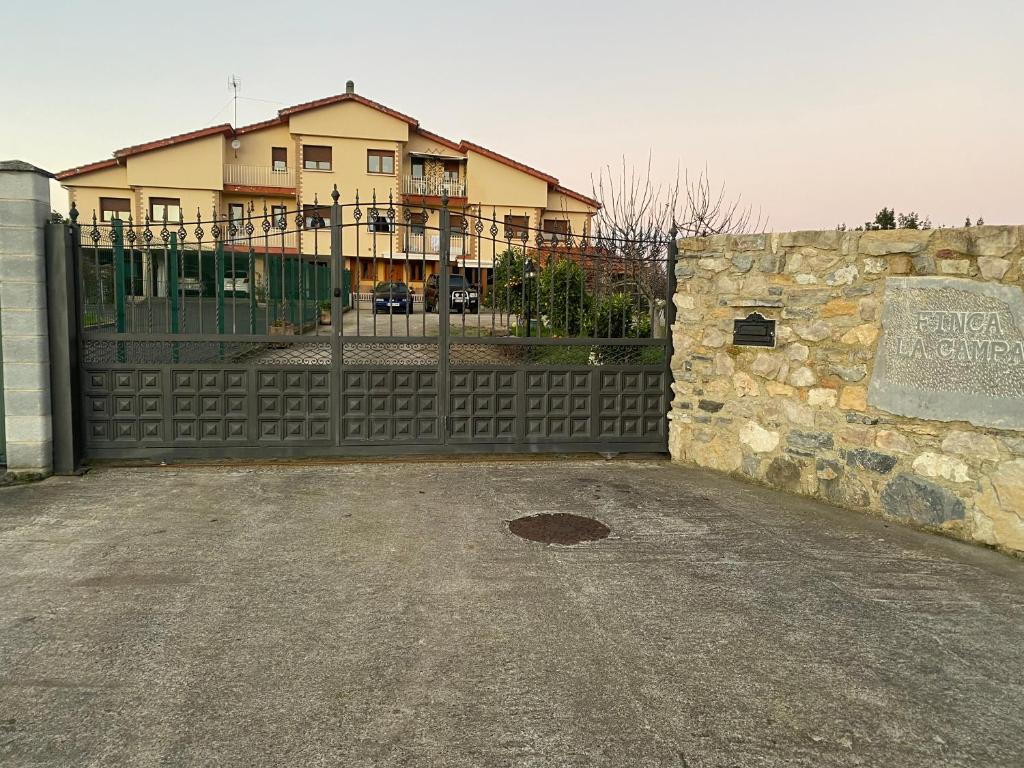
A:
(530, 273)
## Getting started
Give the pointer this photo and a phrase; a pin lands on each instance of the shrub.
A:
(564, 301)
(615, 318)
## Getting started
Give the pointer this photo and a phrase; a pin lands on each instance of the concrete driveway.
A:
(381, 614)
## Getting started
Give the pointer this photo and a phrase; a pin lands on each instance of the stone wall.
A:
(895, 384)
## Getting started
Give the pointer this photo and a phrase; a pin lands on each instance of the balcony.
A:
(253, 178)
(423, 187)
(429, 243)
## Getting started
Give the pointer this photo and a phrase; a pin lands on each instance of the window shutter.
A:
(115, 204)
(317, 154)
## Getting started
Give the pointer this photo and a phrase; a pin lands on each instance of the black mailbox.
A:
(754, 331)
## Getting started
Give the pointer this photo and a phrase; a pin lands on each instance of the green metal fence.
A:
(307, 286)
(166, 287)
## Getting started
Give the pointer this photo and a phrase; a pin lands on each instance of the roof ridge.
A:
(80, 169)
(439, 139)
(261, 124)
(338, 98)
(137, 149)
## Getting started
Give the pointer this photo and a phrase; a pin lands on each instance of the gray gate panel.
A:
(185, 406)
(559, 405)
(484, 405)
(631, 405)
(389, 405)
(294, 406)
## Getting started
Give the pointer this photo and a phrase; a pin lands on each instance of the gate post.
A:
(338, 303)
(336, 261)
(120, 291)
(63, 306)
(670, 265)
(26, 408)
(444, 297)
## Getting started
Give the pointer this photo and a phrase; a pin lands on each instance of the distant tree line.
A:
(887, 218)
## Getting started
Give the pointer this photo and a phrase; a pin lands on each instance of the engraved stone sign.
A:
(951, 350)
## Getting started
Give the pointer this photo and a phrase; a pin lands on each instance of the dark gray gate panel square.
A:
(124, 406)
(380, 405)
(209, 406)
(483, 405)
(631, 405)
(294, 406)
(558, 405)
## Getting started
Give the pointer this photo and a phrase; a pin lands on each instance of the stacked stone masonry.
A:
(833, 410)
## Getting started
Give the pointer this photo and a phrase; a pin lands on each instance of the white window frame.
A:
(173, 212)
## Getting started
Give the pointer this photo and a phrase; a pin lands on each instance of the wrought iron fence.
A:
(378, 268)
(215, 274)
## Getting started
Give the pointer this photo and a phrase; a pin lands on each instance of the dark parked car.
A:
(392, 297)
(464, 297)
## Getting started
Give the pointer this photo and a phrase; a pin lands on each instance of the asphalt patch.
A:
(559, 528)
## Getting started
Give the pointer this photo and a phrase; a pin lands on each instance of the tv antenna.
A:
(234, 83)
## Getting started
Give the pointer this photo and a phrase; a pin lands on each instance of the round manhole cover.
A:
(559, 528)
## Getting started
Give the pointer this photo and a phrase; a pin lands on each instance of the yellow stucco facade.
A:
(346, 141)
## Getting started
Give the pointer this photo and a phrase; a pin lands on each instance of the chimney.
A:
(350, 87)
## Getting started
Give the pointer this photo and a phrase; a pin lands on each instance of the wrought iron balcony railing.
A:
(259, 176)
(430, 244)
(413, 185)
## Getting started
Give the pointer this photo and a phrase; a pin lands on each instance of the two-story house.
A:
(301, 154)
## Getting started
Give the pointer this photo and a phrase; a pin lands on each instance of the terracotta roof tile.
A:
(348, 97)
(577, 196)
(79, 170)
(138, 149)
(257, 126)
(507, 161)
(226, 129)
(439, 139)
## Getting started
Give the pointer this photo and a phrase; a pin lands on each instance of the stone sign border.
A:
(980, 410)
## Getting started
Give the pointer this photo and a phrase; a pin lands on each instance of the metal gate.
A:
(368, 328)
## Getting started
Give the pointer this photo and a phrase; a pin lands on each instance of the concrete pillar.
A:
(24, 210)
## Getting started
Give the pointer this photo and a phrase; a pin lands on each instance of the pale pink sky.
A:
(818, 113)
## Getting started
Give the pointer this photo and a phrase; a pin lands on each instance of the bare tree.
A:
(638, 213)
(634, 206)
